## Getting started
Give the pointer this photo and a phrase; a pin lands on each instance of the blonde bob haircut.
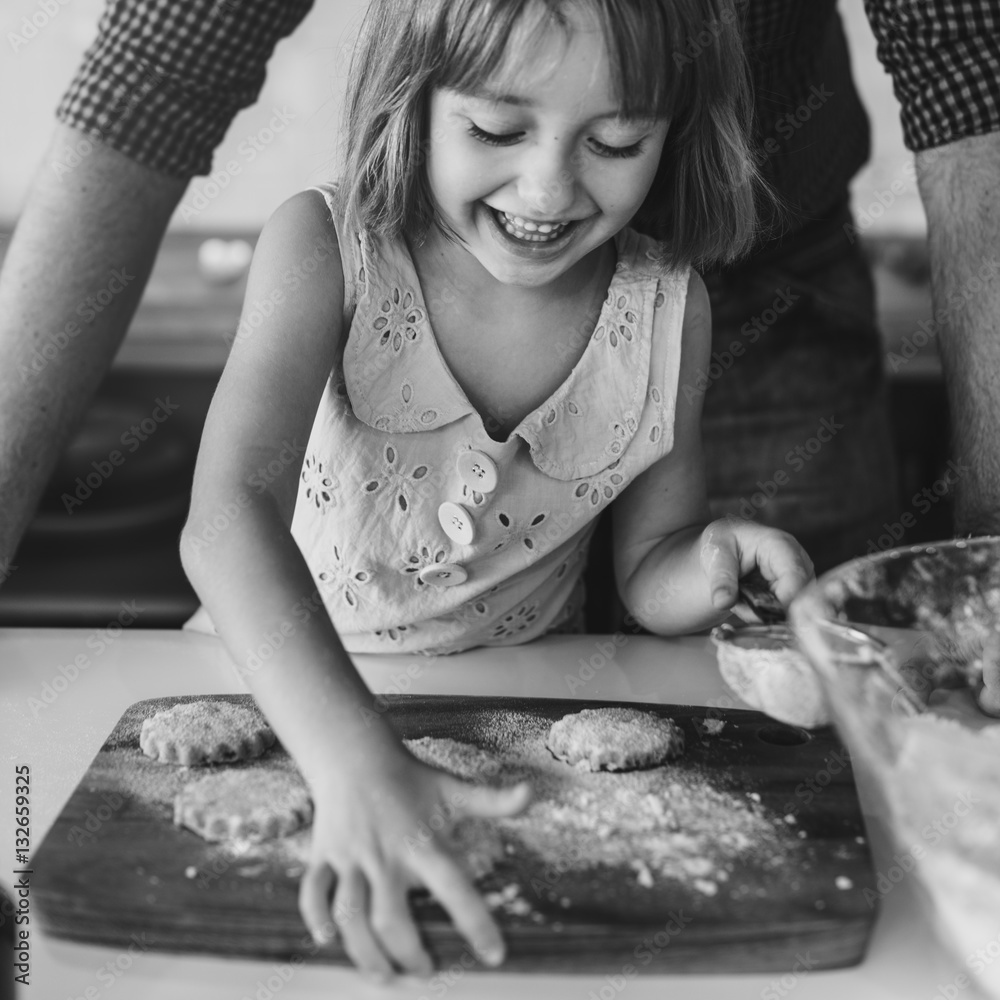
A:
(677, 59)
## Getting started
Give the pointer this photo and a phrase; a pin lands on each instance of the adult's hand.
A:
(91, 227)
(960, 186)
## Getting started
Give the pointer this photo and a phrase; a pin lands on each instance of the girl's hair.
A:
(679, 59)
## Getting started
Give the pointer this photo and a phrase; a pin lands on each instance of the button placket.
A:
(479, 475)
(456, 522)
(444, 575)
(477, 471)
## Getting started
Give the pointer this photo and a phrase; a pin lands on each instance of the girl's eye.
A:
(623, 152)
(490, 138)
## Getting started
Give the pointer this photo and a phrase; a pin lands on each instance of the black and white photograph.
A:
(500, 498)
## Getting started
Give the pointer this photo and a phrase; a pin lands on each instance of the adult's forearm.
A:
(89, 230)
(960, 187)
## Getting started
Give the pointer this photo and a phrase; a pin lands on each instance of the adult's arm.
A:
(960, 187)
(944, 57)
(152, 98)
(97, 226)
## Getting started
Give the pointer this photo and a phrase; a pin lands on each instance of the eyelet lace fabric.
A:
(382, 457)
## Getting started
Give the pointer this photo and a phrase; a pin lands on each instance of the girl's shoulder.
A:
(298, 261)
(305, 229)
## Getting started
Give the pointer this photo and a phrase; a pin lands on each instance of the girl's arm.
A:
(676, 571)
(372, 799)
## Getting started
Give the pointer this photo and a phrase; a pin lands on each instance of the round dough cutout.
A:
(615, 739)
(205, 732)
(244, 804)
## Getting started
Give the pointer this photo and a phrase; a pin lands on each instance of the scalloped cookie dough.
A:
(205, 732)
(242, 804)
(614, 739)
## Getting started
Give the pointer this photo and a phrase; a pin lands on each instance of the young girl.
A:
(481, 356)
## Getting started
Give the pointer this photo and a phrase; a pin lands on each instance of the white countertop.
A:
(57, 727)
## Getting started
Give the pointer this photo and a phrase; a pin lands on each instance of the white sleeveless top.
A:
(395, 438)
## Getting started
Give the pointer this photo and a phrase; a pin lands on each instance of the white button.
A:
(477, 471)
(444, 575)
(456, 522)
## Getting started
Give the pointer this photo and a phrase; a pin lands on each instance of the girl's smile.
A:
(531, 239)
(537, 169)
(527, 229)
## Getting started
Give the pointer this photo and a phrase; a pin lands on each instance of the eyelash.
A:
(602, 149)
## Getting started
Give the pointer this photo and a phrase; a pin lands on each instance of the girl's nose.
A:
(547, 182)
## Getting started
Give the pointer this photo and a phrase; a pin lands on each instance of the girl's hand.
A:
(380, 833)
(731, 547)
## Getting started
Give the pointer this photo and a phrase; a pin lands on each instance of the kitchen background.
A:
(112, 557)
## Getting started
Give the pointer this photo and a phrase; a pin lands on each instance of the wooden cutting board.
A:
(114, 865)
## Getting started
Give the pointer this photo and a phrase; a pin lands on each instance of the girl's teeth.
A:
(531, 232)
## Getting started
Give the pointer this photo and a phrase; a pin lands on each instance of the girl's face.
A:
(535, 176)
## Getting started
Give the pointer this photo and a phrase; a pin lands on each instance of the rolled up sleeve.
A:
(164, 79)
(944, 57)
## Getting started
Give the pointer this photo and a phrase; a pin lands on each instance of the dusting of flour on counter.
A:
(662, 823)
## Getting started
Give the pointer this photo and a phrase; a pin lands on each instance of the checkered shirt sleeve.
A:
(164, 78)
(944, 57)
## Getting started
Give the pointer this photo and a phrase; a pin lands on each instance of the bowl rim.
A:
(813, 592)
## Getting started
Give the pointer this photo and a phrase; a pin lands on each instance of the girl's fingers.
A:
(720, 561)
(350, 914)
(468, 911)
(393, 925)
(785, 564)
(315, 891)
(490, 803)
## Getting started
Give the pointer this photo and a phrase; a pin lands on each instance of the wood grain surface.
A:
(114, 866)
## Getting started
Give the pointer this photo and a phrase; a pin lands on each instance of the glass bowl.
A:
(899, 640)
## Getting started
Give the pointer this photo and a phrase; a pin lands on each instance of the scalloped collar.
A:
(399, 382)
